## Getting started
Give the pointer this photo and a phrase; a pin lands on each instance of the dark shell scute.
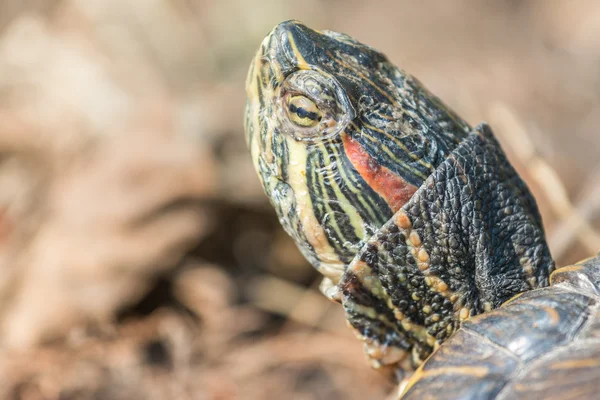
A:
(571, 372)
(536, 322)
(488, 370)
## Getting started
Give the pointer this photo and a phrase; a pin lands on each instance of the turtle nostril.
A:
(291, 26)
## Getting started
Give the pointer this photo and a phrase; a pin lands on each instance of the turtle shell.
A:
(542, 344)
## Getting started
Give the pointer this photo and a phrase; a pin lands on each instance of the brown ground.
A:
(139, 258)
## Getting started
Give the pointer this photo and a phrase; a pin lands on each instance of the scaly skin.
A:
(416, 220)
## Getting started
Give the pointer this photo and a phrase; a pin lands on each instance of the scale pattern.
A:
(451, 252)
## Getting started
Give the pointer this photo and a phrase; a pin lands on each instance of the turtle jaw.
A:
(281, 160)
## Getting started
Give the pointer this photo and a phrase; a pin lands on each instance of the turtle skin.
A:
(542, 344)
(418, 223)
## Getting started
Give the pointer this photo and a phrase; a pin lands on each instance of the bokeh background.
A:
(139, 258)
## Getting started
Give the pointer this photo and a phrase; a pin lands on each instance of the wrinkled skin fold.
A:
(468, 240)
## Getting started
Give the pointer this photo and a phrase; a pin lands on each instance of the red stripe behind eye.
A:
(394, 190)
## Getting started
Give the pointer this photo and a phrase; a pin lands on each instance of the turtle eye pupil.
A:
(303, 111)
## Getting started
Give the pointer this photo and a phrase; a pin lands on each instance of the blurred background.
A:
(139, 258)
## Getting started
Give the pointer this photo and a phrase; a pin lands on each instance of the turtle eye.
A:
(303, 111)
(312, 106)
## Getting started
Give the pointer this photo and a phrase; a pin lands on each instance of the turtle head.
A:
(340, 138)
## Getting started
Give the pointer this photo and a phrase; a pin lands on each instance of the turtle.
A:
(419, 224)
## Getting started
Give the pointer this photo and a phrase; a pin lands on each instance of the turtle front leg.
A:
(469, 239)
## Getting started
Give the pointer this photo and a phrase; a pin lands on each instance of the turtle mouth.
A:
(280, 189)
(283, 198)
